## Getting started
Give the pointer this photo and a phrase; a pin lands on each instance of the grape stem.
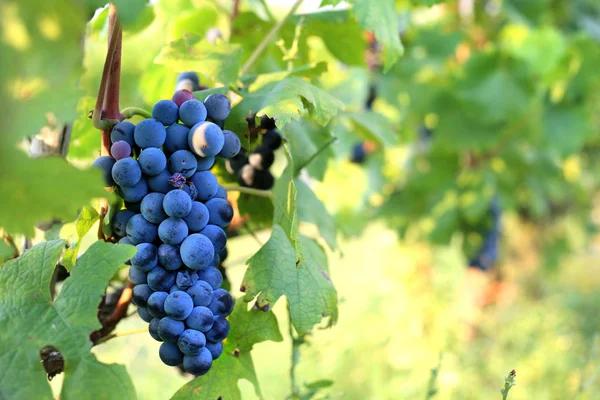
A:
(120, 334)
(268, 38)
(296, 342)
(247, 190)
(131, 111)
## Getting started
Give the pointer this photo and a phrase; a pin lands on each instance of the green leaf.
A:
(311, 209)
(6, 251)
(248, 327)
(380, 17)
(217, 61)
(565, 129)
(273, 272)
(373, 126)
(428, 3)
(305, 140)
(192, 22)
(86, 219)
(284, 203)
(26, 306)
(36, 190)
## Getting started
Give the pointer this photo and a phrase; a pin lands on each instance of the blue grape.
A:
(169, 329)
(175, 288)
(217, 106)
(149, 133)
(191, 342)
(120, 149)
(190, 189)
(216, 260)
(220, 212)
(135, 193)
(168, 257)
(160, 279)
(156, 304)
(272, 139)
(177, 138)
(173, 231)
(177, 204)
(204, 163)
(224, 254)
(137, 276)
(122, 131)
(206, 139)
(106, 164)
(119, 222)
(170, 354)
(139, 230)
(153, 329)
(261, 158)
(198, 364)
(216, 235)
(201, 319)
(133, 207)
(125, 240)
(219, 330)
(197, 218)
(212, 276)
(146, 257)
(358, 154)
(197, 251)
(160, 183)
(192, 112)
(186, 279)
(188, 81)
(152, 209)
(201, 293)
(152, 161)
(140, 295)
(181, 96)
(215, 348)
(184, 162)
(222, 303)
(166, 112)
(221, 193)
(126, 172)
(179, 305)
(231, 145)
(144, 314)
(206, 184)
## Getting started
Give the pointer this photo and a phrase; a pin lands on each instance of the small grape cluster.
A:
(175, 215)
(252, 170)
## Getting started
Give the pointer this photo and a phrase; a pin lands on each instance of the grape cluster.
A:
(252, 170)
(175, 213)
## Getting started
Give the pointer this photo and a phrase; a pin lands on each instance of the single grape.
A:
(170, 354)
(179, 305)
(272, 139)
(246, 175)
(233, 165)
(201, 293)
(217, 106)
(160, 279)
(146, 257)
(212, 276)
(220, 212)
(166, 112)
(137, 276)
(197, 218)
(216, 235)
(266, 122)
(175, 288)
(358, 154)
(204, 163)
(125, 240)
(216, 260)
(186, 279)
(221, 193)
(169, 329)
(177, 138)
(261, 158)
(206, 184)
(160, 183)
(139, 230)
(177, 204)
(197, 251)
(206, 139)
(126, 172)
(191, 342)
(181, 96)
(140, 295)
(215, 348)
(222, 303)
(135, 193)
(152, 161)
(172, 230)
(156, 304)
(198, 364)
(144, 314)
(231, 145)
(152, 209)
(168, 257)
(263, 180)
(153, 329)
(184, 162)
(224, 254)
(192, 112)
(188, 81)
(119, 222)
(122, 131)
(219, 330)
(201, 319)
(120, 149)
(106, 164)
(149, 133)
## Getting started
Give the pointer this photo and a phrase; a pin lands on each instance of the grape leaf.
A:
(248, 327)
(310, 147)
(427, 2)
(31, 319)
(273, 272)
(380, 18)
(86, 219)
(311, 209)
(373, 126)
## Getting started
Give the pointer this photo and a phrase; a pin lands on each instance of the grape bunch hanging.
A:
(175, 214)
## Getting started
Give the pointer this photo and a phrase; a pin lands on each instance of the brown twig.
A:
(103, 211)
(236, 9)
(120, 311)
